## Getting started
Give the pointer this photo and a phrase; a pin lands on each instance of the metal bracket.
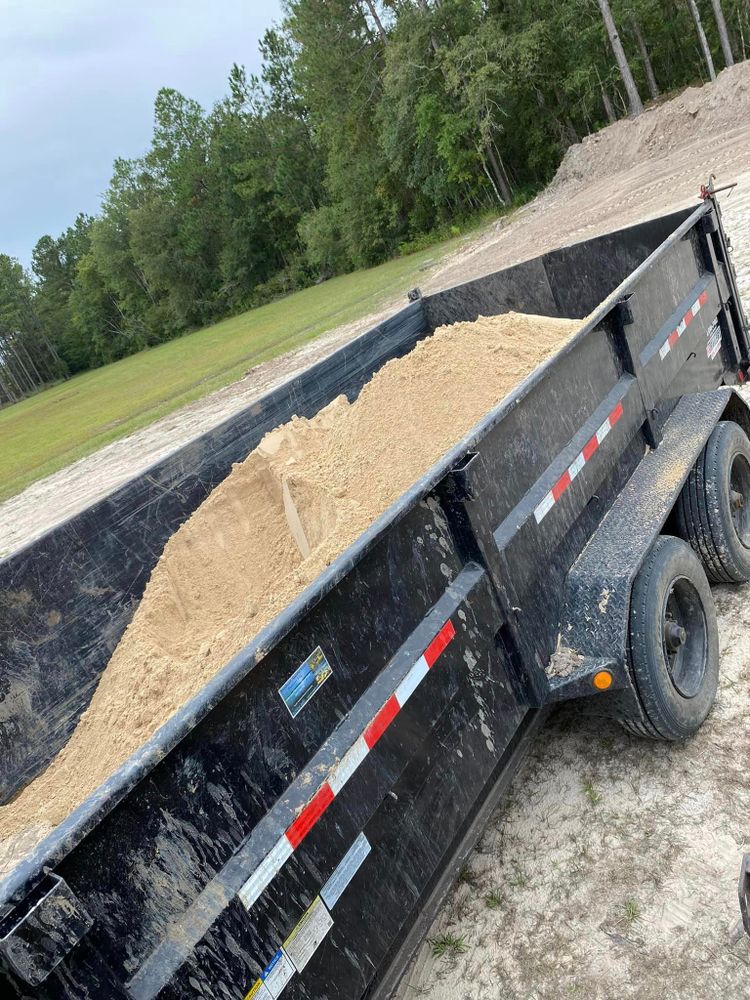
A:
(580, 683)
(37, 935)
(460, 483)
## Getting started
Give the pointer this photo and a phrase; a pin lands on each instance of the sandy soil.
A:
(612, 871)
(309, 490)
(670, 152)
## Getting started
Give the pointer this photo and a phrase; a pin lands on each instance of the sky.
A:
(77, 85)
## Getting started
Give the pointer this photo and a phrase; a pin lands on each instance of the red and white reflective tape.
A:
(684, 323)
(576, 465)
(342, 772)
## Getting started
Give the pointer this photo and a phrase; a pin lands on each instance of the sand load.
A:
(281, 516)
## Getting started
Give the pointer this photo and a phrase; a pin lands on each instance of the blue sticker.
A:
(306, 680)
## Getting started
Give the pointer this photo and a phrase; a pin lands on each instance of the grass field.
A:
(59, 425)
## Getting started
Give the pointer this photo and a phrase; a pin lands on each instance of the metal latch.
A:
(37, 935)
(460, 483)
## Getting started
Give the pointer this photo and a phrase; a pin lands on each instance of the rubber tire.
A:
(668, 715)
(704, 515)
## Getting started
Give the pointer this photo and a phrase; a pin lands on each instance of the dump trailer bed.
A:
(292, 829)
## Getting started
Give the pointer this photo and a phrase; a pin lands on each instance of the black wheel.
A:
(674, 642)
(713, 509)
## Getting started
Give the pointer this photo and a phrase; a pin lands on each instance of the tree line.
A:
(371, 124)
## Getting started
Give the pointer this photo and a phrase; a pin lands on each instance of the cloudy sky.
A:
(77, 84)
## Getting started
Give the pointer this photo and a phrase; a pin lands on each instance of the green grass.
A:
(632, 910)
(61, 424)
(494, 900)
(447, 945)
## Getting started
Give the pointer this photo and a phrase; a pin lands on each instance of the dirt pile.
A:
(305, 494)
(698, 113)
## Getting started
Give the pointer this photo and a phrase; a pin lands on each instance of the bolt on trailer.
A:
(292, 830)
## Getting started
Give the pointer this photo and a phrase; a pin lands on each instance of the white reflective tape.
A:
(348, 765)
(664, 350)
(345, 871)
(696, 307)
(409, 684)
(265, 871)
(603, 431)
(544, 508)
(681, 327)
(575, 467)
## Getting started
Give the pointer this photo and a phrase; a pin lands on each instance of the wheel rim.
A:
(684, 637)
(739, 498)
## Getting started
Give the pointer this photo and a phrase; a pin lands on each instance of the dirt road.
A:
(675, 148)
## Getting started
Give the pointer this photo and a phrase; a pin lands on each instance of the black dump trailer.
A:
(291, 831)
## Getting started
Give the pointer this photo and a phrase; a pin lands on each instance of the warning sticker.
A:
(258, 991)
(277, 973)
(306, 681)
(345, 872)
(713, 340)
(303, 942)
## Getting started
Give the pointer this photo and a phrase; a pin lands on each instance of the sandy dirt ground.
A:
(675, 148)
(612, 870)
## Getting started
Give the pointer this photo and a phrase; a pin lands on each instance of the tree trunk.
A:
(702, 38)
(499, 176)
(634, 100)
(721, 24)
(378, 22)
(608, 106)
(569, 132)
(650, 76)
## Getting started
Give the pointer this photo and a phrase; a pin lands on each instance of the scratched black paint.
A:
(157, 857)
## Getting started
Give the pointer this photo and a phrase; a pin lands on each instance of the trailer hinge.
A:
(37, 935)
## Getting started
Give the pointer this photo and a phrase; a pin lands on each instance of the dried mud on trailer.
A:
(266, 841)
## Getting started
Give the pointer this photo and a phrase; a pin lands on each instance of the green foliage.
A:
(374, 124)
(72, 419)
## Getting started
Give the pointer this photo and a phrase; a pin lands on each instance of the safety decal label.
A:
(341, 773)
(304, 940)
(258, 991)
(277, 973)
(345, 872)
(273, 979)
(306, 681)
(713, 340)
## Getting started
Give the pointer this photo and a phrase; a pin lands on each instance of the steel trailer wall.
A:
(66, 599)
(437, 624)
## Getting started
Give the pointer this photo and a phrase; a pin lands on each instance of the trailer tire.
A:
(674, 643)
(713, 509)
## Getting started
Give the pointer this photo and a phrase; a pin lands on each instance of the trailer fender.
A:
(594, 623)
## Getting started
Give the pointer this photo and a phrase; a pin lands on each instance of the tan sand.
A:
(280, 517)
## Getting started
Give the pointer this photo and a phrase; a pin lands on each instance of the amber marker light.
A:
(602, 680)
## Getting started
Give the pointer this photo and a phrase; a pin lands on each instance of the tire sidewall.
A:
(672, 715)
(727, 442)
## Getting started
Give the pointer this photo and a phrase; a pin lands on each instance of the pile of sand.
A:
(694, 114)
(280, 517)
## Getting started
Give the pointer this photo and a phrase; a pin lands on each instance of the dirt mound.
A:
(280, 517)
(695, 114)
